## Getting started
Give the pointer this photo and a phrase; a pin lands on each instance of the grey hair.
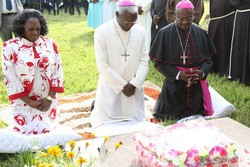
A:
(129, 9)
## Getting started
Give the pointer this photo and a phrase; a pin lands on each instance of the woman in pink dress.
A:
(33, 75)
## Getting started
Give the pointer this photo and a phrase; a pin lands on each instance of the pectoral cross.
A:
(184, 57)
(125, 55)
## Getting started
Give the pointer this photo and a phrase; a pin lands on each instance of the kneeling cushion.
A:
(14, 142)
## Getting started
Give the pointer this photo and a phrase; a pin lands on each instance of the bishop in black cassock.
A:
(181, 52)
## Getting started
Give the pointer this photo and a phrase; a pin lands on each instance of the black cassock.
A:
(220, 30)
(240, 52)
(176, 100)
(158, 7)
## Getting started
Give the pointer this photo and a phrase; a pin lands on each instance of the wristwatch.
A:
(50, 98)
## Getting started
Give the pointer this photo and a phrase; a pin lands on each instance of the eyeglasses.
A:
(127, 22)
(184, 18)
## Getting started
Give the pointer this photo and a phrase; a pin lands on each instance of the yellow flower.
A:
(50, 165)
(55, 151)
(42, 154)
(50, 151)
(81, 160)
(37, 162)
(58, 152)
(92, 135)
(70, 154)
(72, 144)
(106, 138)
(42, 165)
(87, 144)
(118, 145)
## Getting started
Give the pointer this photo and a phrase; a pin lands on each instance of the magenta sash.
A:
(207, 102)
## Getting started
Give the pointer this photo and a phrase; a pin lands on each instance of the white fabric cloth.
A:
(109, 9)
(14, 142)
(221, 106)
(110, 103)
(123, 127)
(33, 69)
(145, 19)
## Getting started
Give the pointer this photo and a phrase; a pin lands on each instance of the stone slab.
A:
(124, 156)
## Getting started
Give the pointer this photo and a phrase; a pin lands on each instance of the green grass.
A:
(2, 124)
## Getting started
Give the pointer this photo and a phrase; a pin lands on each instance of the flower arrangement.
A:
(218, 156)
(190, 144)
(72, 155)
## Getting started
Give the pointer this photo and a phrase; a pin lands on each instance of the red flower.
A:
(209, 164)
(223, 152)
(234, 160)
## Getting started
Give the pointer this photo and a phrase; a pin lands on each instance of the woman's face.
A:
(32, 29)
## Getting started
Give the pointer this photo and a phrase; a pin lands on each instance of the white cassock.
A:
(145, 19)
(111, 105)
(109, 9)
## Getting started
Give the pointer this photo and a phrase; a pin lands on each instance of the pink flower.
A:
(193, 159)
(217, 151)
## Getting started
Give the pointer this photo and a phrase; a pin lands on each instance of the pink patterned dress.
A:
(33, 69)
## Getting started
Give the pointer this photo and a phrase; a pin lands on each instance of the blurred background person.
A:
(8, 10)
(74, 4)
(157, 11)
(85, 5)
(109, 9)
(95, 13)
(144, 19)
(239, 67)
(220, 30)
(66, 6)
(55, 6)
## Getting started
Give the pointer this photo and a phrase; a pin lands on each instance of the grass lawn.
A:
(75, 44)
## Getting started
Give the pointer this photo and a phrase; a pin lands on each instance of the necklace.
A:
(183, 57)
(125, 48)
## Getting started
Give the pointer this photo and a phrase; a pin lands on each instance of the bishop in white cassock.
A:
(122, 62)
(144, 19)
